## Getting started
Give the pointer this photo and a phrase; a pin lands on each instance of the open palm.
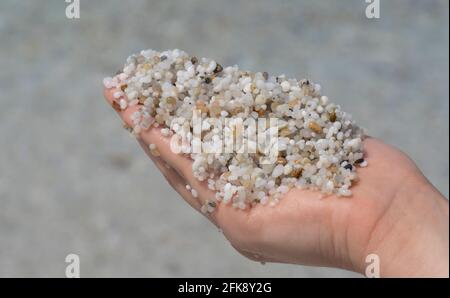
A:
(304, 227)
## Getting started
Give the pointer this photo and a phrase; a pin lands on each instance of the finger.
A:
(223, 214)
(124, 114)
(174, 179)
(181, 163)
(177, 182)
(152, 136)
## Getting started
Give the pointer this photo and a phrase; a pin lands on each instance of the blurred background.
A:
(73, 181)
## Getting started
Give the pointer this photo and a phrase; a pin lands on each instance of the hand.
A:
(394, 212)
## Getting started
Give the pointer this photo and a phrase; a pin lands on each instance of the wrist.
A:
(411, 237)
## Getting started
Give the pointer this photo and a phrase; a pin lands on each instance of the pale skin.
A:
(394, 212)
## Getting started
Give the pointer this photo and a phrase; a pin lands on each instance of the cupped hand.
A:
(306, 228)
